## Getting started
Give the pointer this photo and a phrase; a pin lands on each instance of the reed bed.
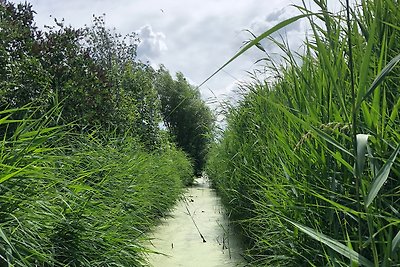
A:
(69, 199)
(307, 164)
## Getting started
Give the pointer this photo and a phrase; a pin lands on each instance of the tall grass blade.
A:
(4, 237)
(362, 143)
(330, 140)
(285, 171)
(381, 177)
(12, 174)
(333, 244)
(366, 62)
(378, 80)
(320, 133)
(257, 40)
(396, 242)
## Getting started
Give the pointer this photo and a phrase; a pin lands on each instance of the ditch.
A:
(197, 233)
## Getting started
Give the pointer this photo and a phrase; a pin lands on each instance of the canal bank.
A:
(196, 234)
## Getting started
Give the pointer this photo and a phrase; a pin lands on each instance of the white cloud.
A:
(261, 24)
(152, 44)
(194, 37)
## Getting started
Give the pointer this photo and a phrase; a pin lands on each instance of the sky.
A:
(193, 37)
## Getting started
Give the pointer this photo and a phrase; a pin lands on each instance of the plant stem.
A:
(354, 122)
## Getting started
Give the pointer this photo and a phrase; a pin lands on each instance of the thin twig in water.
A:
(198, 230)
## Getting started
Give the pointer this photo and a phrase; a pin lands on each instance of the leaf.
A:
(4, 119)
(378, 80)
(394, 114)
(10, 175)
(340, 159)
(332, 141)
(320, 133)
(285, 171)
(362, 143)
(366, 60)
(396, 242)
(11, 247)
(4, 237)
(333, 244)
(391, 25)
(381, 177)
(81, 187)
(337, 205)
(258, 39)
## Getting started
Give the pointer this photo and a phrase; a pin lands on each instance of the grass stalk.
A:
(354, 121)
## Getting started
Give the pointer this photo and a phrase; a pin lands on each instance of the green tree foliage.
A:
(139, 105)
(22, 78)
(76, 79)
(48, 67)
(92, 72)
(186, 115)
(135, 100)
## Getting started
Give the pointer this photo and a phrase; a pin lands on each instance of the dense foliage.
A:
(88, 203)
(308, 162)
(85, 168)
(186, 116)
(92, 71)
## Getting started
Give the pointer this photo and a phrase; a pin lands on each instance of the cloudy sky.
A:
(194, 37)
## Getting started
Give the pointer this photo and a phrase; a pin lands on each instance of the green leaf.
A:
(285, 171)
(393, 115)
(4, 237)
(381, 177)
(366, 60)
(396, 242)
(392, 25)
(333, 244)
(332, 141)
(337, 205)
(257, 40)
(4, 119)
(10, 175)
(81, 187)
(362, 143)
(378, 80)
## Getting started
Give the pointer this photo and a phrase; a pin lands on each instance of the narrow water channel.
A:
(197, 218)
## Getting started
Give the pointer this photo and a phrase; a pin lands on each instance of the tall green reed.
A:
(308, 162)
(80, 200)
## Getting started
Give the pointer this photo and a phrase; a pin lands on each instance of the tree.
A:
(22, 78)
(186, 116)
(46, 68)
(92, 73)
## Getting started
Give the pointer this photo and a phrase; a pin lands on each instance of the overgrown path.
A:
(197, 218)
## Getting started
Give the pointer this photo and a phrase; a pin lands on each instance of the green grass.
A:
(308, 163)
(80, 200)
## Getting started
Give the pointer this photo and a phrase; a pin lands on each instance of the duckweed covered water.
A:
(178, 238)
